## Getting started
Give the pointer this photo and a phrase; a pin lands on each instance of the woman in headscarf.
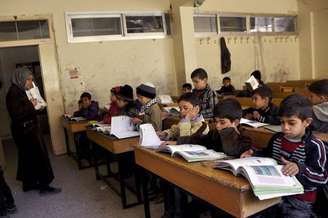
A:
(34, 168)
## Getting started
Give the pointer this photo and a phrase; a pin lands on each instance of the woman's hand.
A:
(34, 101)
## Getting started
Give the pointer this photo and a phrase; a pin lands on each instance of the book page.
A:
(148, 136)
(186, 147)
(122, 127)
(242, 162)
(252, 123)
(204, 155)
(274, 128)
(253, 83)
(165, 99)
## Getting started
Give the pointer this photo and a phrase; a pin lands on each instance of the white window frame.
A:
(152, 35)
(206, 34)
(69, 16)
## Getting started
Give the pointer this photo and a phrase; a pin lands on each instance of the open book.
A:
(101, 127)
(165, 99)
(252, 83)
(191, 153)
(172, 110)
(122, 127)
(35, 94)
(264, 175)
(252, 123)
(72, 118)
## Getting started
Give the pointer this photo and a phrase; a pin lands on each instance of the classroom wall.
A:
(313, 16)
(276, 56)
(9, 57)
(102, 65)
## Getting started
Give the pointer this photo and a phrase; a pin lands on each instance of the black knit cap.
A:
(125, 92)
(147, 90)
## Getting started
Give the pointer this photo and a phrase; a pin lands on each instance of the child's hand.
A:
(248, 153)
(192, 113)
(162, 134)
(34, 101)
(136, 120)
(168, 143)
(256, 115)
(290, 168)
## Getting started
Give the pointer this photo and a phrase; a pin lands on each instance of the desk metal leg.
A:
(121, 180)
(144, 192)
(68, 149)
(96, 164)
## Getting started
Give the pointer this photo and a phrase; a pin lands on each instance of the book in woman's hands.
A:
(264, 175)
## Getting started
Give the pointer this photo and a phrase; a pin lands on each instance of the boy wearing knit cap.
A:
(150, 111)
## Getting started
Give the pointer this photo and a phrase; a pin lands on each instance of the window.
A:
(24, 30)
(285, 24)
(145, 24)
(205, 24)
(232, 24)
(84, 27)
(261, 24)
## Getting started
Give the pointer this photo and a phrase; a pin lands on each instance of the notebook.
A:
(122, 127)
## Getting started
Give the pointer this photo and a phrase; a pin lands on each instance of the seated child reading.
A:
(88, 109)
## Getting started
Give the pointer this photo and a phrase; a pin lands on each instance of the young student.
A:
(227, 137)
(113, 107)
(302, 155)
(150, 111)
(203, 91)
(319, 98)
(186, 88)
(263, 111)
(89, 109)
(227, 88)
(125, 101)
(191, 120)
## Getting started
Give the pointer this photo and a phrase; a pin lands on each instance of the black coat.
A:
(33, 162)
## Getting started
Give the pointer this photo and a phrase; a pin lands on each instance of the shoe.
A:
(49, 190)
(11, 209)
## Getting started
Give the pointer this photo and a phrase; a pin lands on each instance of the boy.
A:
(203, 91)
(150, 110)
(125, 101)
(226, 137)
(227, 88)
(190, 121)
(319, 98)
(88, 109)
(300, 152)
(113, 109)
(186, 88)
(263, 111)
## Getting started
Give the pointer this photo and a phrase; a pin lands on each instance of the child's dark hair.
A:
(86, 95)
(257, 75)
(263, 91)
(189, 97)
(226, 78)
(228, 108)
(199, 73)
(187, 86)
(296, 105)
(319, 87)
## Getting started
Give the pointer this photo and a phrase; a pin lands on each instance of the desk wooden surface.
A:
(217, 187)
(261, 136)
(111, 143)
(74, 126)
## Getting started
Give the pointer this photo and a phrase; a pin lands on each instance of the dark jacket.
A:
(270, 115)
(90, 113)
(320, 118)
(226, 90)
(226, 140)
(208, 100)
(311, 159)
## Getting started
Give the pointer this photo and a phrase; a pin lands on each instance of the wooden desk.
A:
(116, 150)
(261, 136)
(247, 101)
(72, 128)
(201, 180)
